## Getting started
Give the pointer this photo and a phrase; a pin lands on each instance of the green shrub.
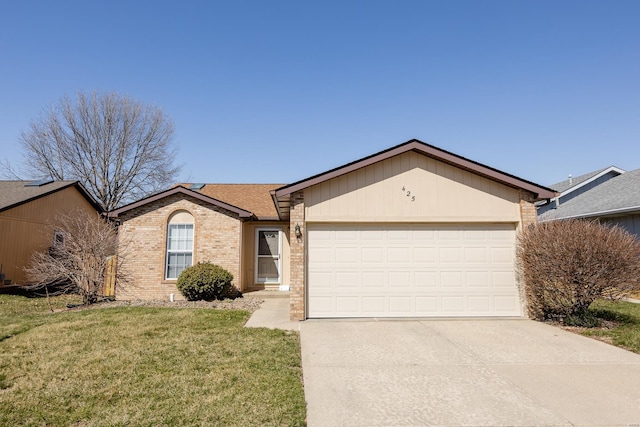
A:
(568, 264)
(204, 281)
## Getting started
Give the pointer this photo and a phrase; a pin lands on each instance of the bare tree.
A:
(79, 258)
(119, 149)
(7, 171)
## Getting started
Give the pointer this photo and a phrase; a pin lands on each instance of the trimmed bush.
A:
(568, 264)
(204, 281)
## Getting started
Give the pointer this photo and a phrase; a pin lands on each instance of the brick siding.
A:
(297, 254)
(528, 212)
(143, 235)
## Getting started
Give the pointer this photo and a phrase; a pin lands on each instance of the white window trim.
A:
(257, 246)
(167, 252)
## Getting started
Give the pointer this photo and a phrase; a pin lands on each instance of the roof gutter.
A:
(275, 202)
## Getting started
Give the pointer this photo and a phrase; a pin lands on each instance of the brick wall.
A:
(528, 212)
(143, 233)
(297, 256)
(528, 216)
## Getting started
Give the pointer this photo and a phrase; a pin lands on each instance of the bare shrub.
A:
(568, 264)
(78, 259)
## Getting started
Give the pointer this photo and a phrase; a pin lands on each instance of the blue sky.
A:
(276, 91)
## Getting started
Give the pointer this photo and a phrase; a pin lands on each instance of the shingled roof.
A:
(246, 200)
(617, 195)
(255, 198)
(565, 185)
(15, 193)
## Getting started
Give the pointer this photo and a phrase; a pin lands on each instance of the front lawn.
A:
(623, 319)
(145, 367)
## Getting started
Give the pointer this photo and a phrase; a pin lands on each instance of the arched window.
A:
(179, 244)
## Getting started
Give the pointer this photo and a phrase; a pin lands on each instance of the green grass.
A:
(140, 366)
(627, 317)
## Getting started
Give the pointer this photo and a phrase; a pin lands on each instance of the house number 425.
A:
(409, 195)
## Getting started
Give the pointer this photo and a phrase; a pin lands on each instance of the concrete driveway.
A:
(464, 373)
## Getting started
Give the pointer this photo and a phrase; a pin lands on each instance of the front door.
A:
(268, 250)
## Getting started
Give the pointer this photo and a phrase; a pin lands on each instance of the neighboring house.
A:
(407, 232)
(28, 210)
(614, 200)
(574, 187)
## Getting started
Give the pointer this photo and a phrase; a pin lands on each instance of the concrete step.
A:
(266, 294)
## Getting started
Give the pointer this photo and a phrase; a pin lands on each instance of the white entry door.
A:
(268, 255)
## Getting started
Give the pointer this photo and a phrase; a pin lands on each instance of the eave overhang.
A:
(243, 214)
(538, 192)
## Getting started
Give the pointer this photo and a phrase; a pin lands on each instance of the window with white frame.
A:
(179, 244)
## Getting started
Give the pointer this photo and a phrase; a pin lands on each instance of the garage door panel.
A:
(347, 255)
(453, 305)
(415, 306)
(399, 279)
(502, 254)
(471, 235)
(397, 255)
(323, 304)
(374, 279)
(450, 255)
(323, 279)
(321, 256)
(372, 255)
(424, 255)
(423, 234)
(398, 235)
(479, 304)
(373, 235)
(427, 306)
(504, 235)
(506, 304)
(503, 279)
(343, 234)
(425, 279)
(478, 279)
(348, 304)
(449, 234)
(374, 305)
(348, 279)
(395, 270)
(478, 254)
(400, 305)
(451, 279)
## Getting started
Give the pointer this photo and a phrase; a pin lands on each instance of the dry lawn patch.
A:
(151, 367)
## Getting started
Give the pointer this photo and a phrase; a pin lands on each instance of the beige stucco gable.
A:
(411, 187)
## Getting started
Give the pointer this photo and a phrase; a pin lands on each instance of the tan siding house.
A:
(412, 231)
(27, 213)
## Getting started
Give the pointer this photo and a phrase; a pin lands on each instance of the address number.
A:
(408, 194)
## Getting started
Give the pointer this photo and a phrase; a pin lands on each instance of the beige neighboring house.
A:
(412, 231)
(28, 210)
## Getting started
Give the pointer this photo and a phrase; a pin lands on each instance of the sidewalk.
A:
(273, 312)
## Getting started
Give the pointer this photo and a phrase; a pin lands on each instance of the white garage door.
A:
(390, 270)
